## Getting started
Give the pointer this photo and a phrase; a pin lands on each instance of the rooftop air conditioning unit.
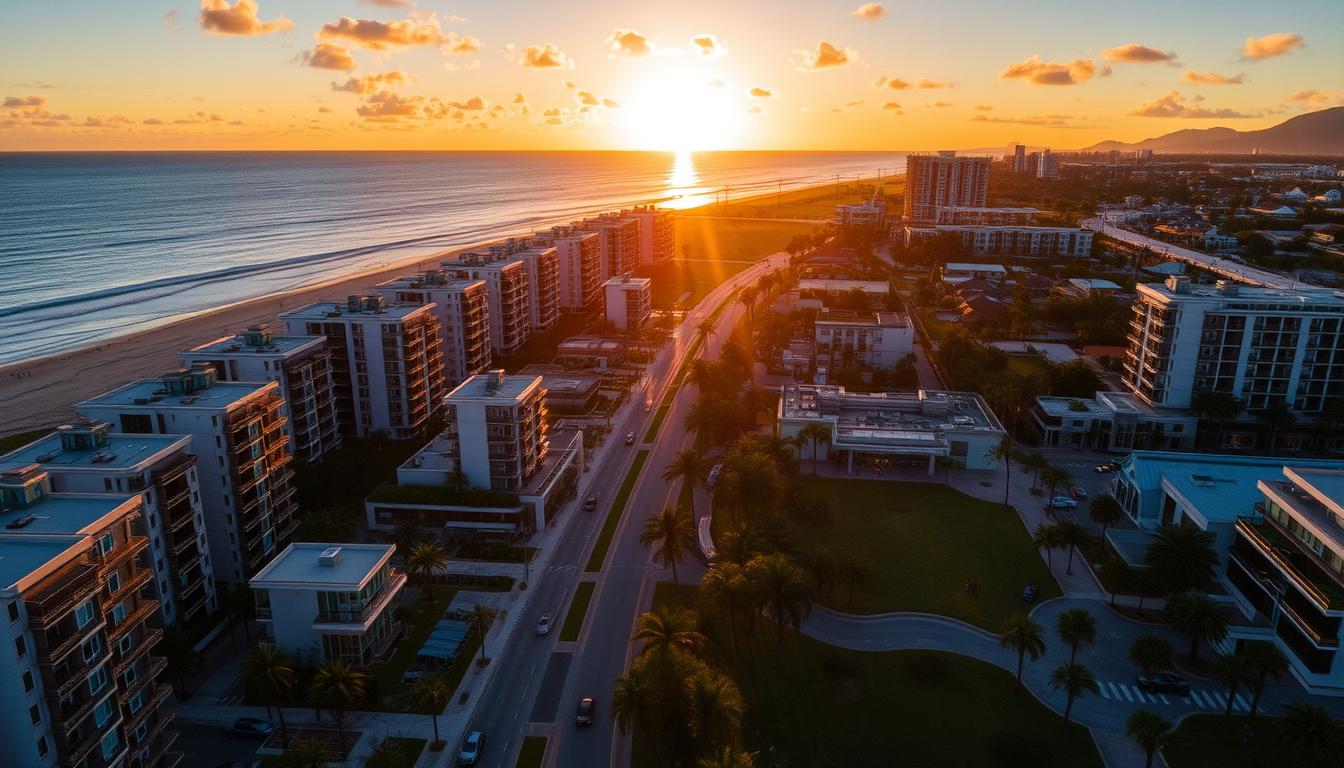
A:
(329, 557)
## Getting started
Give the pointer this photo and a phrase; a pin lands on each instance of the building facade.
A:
(629, 302)
(657, 233)
(463, 310)
(579, 258)
(943, 179)
(877, 342)
(620, 235)
(509, 294)
(1071, 242)
(1112, 421)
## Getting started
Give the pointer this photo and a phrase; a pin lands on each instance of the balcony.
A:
(1309, 576)
(396, 581)
(60, 594)
(138, 579)
(62, 681)
(132, 547)
(133, 619)
(148, 638)
(51, 650)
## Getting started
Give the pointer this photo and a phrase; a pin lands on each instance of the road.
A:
(540, 679)
(205, 745)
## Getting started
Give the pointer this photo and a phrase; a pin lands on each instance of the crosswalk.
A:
(1213, 701)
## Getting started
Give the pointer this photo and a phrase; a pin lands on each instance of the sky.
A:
(689, 75)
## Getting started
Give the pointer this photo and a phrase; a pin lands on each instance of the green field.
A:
(578, 609)
(709, 251)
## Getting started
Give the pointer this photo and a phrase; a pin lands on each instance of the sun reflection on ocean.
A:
(683, 188)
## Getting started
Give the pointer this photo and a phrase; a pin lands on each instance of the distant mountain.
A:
(1315, 133)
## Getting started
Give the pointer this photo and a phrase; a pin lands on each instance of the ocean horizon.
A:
(96, 245)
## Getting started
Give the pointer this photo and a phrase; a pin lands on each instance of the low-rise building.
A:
(629, 302)
(1112, 421)
(590, 352)
(986, 217)
(870, 213)
(1086, 288)
(876, 341)
(463, 310)
(566, 390)
(873, 289)
(1070, 242)
(960, 271)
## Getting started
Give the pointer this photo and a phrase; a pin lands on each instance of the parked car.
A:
(1164, 682)
(1110, 466)
(590, 504)
(544, 624)
(471, 749)
(1029, 594)
(1063, 502)
(586, 707)
(249, 728)
(629, 438)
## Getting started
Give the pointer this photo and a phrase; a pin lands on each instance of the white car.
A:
(1063, 502)
(544, 624)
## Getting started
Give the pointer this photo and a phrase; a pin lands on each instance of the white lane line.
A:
(1104, 694)
(1242, 704)
(1163, 697)
(1115, 690)
(1124, 690)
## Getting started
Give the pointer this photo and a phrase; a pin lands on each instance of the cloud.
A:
(170, 21)
(1039, 72)
(715, 82)
(587, 97)
(1269, 46)
(708, 46)
(611, 104)
(389, 3)
(824, 56)
(570, 85)
(372, 83)
(894, 107)
(757, 92)
(21, 102)
(1133, 53)
(756, 110)
(629, 43)
(1170, 104)
(474, 104)
(198, 117)
(984, 107)
(151, 121)
(461, 45)
(329, 56)
(385, 35)
(869, 11)
(219, 18)
(519, 98)
(1309, 99)
(1211, 78)
(544, 56)
(325, 110)
(892, 83)
(1039, 120)
(386, 106)
(941, 104)
(104, 121)
(933, 84)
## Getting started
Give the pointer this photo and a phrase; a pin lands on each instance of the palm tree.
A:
(665, 631)
(1071, 537)
(728, 757)
(427, 560)
(725, 585)
(1276, 416)
(751, 484)
(1075, 679)
(852, 568)
(1077, 627)
(706, 328)
(1196, 615)
(480, 618)
(816, 433)
(784, 588)
(672, 534)
(1035, 462)
(337, 687)
(1233, 670)
(715, 708)
(1105, 511)
(690, 467)
(1151, 653)
(432, 693)
(748, 296)
(1005, 452)
(1024, 636)
(1150, 730)
(1181, 558)
(268, 675)
(1267, 663)
(1311, 734)
(1053, 477)
(738, 546)
(634, 701)
(1047, 538)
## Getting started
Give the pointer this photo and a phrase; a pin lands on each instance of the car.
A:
(1164, 682)
(1029, 594)
(1078, 493)
(544, 624)
(585, 714)
(249, 728)
(1110, 466)
(471, 749)
(715, 473)
(590, 504)
(629, 438)
(1063, 502)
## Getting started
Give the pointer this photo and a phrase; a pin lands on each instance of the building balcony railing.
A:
(60, 683)
(52, 650)
(358, 614)
(141, 613)
(148, 638)
(138, 579)
(151, 712)
(67, 719)
(132, 547)
(60, 596)
(1275, 544)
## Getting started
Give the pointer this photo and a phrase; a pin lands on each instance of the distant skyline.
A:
(699, 75)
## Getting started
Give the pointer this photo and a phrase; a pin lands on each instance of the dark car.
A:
(249, 728)
(629, 438)
(471, 749)
(586, 707)
(1164, 682)
(590, 504)
(1029, 594)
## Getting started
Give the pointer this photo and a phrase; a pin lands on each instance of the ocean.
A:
(97, 245)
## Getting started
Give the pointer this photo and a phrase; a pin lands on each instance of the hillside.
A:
(1315, 133)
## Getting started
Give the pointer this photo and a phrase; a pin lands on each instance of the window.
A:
(84, 614)
(111, 743)
(129, 676)
(92, 647)
(106, 543)
(124, 645)
(137, 701)
(21, 646)
(97, 681)
(42, 746)
(13, 611)
(35, 714)
(102, 713)
(118, 613)
(28, 684)
(113, 582)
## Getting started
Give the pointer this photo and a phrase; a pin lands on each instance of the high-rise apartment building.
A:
(87, 457)
(934, 181)
(1263, 346)
(657, 233)
(496, 429)
(579, 256)
(524, 289)
(301, 365)
(1047, 165)
(77, 681)
(1019, 158)
(463, 310)
(243, 464)
(620, 235)
(629, 302)
(387, 361)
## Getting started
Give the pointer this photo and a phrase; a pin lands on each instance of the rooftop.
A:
(894, 413)
(121, 451)
(629, 282)
(331, 310)
(963, 266)
(879, 319)
(832, 285)
(151, 393)
(1232, 293)
(243, 344)
(495, 385)
(66, 513)
(21, 555)
(591, 345)
(1094, 284)
(301, 565)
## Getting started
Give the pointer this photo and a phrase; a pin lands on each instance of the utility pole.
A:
(779, 192)
(837, 189)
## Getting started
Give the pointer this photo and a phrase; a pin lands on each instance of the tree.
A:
(738, 546)
(1105, 511)
(1035, 462)
(1196, 615)
(304, 753)
(268, 676)
(1276, 416)
(748, 297)
(665, 631)
(672, 535)
(337, 687)
(785, 591)
(1180, 558)
(706, 328)
(1267, 663)
(1071, 537)
(1054, 476)
(1075, 680)
(1232, 670)
(728, 757)
(1047, 538)
(480, 618)
(852, 568)
(1151, 653)
(749, 486)
(1311, 734)
(690, 467)
(1220, 407)
(183, 660)
(715, 708)
(432, 693)
(634, 701)
(1025, 637)
(1077, 627)
(816, 433)
(725, 585)
(427, 560)
(1150, 730)
(1004, 451)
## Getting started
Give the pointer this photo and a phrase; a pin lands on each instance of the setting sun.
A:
(682, 110)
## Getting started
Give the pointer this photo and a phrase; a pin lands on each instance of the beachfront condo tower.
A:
(943, 179)
(657, 234)
(77, 682)
(243, 464)
(628, 302)
(301, 365)
(619, 243)
(386, 361)
(463, 310)
(579, 256)
(524, 289)
(87, 457)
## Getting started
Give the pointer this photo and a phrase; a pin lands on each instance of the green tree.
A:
(1005, 452)
(725, 585)
(728, 757)
(1023, 636)
(182, 659)
(1105, 511)
(750, 486)
(427, 560)
(666, 631)
(1047, 537)
(1072, 536)
(1311, 735)
(815, 433)
(672, 535)
(1054, 476)
(1076, 627)
(1180, 558)
(852, 568)
(784, 589)
(715, 708)
(1276, 417)
(690, 467)
(1151, 653)
(1197, 616)
(304, 753)
(1267, 663)
(1232, 670)
(1149, 730)
(337, 687)
(480, 618)
(432, 694)
(1075, 680)
(268, 676)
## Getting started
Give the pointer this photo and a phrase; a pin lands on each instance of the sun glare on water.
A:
(679, 111)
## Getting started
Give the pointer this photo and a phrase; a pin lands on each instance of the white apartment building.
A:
(509, 284)
(875, 342)
(629, 302)
(301, 365)
(620, 236)
(77, 680)
(243, 463)
(935, 181)
(579, 256)
(1261, 345)
(992, 217)
(1010, 240)
(1112, 421)
(657, 233)
(387, 361)
(330, 602)
(497, 424)
(463, 310)
(86, 457)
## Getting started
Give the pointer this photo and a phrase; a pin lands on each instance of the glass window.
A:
(84, 614)
(92, 647)
(111, 743)
(28, 682)
(137, 701)
(42, 746)
(13, 611)
(21, 646)
(35, 714)
(119, 613)
(106, 543)
(97, 681)
(113, 582)
(102, 713)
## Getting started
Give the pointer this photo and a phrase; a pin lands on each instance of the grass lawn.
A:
(923, 542)
(532, 752)
(811, 202)
(578, 609)
(614, 515)
(717, 249)
(1028, 365)
(809, 704)
(420, 619)
(1210, 741)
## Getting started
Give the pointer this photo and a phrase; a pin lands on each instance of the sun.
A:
(678, 110)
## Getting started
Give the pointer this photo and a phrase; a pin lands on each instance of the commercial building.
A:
(86, 457)
(243, 463)
(620, 238)
(877, 341)
(956, 272)
(1261, 345)
(567, 391)
(1047, 165)
(301, 365)
(834, 287)
(579, 257)
(590, 351)
(935, 181)
(463, 310)
(76, 675)
(330, 602)
(387, 361)
(657, 233)
(1019, 158)
(1112, 421)
(629, 302)
(1071, 242)
(1085, 288)
(915, 427)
